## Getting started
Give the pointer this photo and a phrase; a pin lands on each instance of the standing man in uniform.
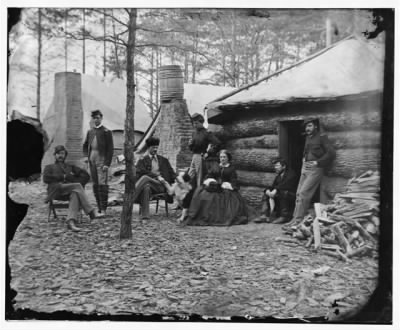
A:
(318, 155)
(203, 145)
(99, 149)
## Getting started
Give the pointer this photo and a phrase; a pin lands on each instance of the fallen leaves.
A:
(163, 269)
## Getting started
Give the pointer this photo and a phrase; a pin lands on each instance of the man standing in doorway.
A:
(318, 155)
(99, 149)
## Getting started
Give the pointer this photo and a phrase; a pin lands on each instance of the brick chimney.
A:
(64, 122)
(174, 129)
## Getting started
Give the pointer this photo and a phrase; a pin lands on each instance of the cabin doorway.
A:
(291, 147)
(291, 143)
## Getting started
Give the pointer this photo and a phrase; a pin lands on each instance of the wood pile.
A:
(349, 225)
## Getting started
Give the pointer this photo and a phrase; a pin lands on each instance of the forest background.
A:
(223, 47)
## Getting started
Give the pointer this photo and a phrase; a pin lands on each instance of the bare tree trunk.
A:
(194, 58)
(129, 144)
(152, 84)
(104, 44)
(246, 68)
(39, 62)
(83, 42)
(158, 64)
(233, 56)
(223, 69)
(186, 68)
(118, 68)
(65, 41)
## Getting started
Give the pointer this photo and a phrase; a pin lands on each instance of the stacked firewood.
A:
(347, 227)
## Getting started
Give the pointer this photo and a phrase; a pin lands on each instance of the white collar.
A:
(98, 126)
(227, 165)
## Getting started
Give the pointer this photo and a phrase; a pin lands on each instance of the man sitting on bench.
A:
(65, 180)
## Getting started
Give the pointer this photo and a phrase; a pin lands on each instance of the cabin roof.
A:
(346, 69)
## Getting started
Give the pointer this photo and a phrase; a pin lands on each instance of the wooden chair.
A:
(156, 198)
(59, 204)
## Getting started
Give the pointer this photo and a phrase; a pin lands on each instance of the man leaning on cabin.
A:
(318, 155)
(200, 145)
(155, 175)
(67, 181)
(99, 149)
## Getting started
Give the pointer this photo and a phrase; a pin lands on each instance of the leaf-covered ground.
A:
(165, 269)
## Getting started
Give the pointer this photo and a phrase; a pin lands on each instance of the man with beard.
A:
(278, 200)
(155, 175)
(318, 155)
(66, 180)
(99, 149)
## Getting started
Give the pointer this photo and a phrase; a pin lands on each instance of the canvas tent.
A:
(341, 85)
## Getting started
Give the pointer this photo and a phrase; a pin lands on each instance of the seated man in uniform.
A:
(66, 180)
(278, 200)
(155, 175)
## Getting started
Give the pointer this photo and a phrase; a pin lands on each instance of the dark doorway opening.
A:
(291, 143)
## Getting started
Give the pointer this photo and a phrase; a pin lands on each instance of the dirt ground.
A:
(170, 270)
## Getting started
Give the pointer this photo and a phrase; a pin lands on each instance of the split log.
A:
(331, 247)
(269, 141)
(364, 233)
(317, 233)
(255, 178)
(360, 251)
(255, 159)
(287, 240)
(326, 220)
(341, 238)
(361, 195)
(305, 230)
(361, 215)
(336, 254)
(310, 241)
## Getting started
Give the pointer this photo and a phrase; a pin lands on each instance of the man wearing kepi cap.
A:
(201, 144)
(318, 155)
(99, 149)
(65, 180)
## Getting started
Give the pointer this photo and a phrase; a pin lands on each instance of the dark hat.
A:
(96, 113)
(152, 141)
(60, 148)
(197, 117)
(313, 120)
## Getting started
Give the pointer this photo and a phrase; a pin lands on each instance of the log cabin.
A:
(341, 85)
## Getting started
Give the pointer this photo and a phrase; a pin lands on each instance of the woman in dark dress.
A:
(218, 201)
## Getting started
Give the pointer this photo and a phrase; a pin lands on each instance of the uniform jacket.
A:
(53, 175)
(285, 182)
(319, 148)
(143, 167)
(201, 139)
(104, 142)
